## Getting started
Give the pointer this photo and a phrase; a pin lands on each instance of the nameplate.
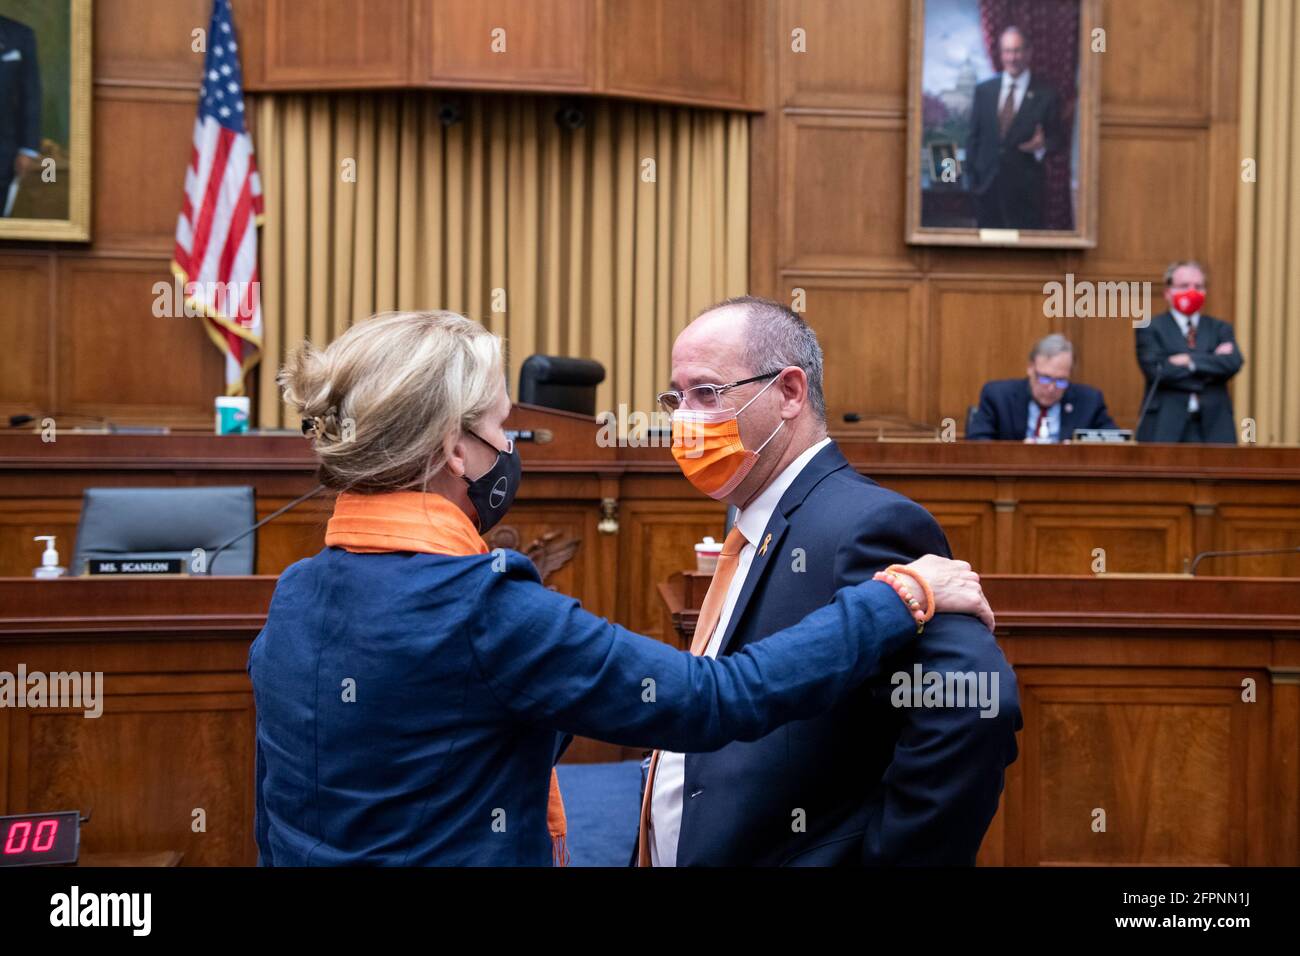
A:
(1000, 237)
(136, 566)
(1103, 435)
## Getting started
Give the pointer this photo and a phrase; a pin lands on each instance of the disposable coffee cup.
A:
(232, 414)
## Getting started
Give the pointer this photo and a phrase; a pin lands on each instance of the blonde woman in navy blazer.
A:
(411, 685)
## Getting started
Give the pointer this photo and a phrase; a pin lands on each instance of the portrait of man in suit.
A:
(1015, 125)
(45, 107)
(1012, 86)
(20, 107)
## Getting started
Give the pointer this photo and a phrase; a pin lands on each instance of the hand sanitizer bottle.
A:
(50, 567)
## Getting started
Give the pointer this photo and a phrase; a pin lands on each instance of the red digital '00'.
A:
(20, 834)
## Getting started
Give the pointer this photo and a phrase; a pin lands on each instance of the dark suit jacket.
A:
(20, 97)
(1001, 174)
(1167, 414)
(876, 784)
(1004, 410)
(20, 88)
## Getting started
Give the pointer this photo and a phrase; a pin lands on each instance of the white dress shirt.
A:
(670, 773)
(1183, 322)
(1017, 85)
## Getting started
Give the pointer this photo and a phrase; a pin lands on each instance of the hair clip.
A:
(309, 426)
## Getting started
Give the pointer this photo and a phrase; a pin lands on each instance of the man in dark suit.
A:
(1044, 407)
(1193, 356)
(20, 105)
(885, 778)
(1014, 125)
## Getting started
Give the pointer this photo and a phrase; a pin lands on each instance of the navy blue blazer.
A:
(1166, 416)
(408, 705)
(20, 96)
(1003, 412)
(876, 784)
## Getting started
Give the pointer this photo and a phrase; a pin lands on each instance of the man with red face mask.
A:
(1187, 358)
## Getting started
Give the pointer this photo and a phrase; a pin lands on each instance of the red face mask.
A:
(1189, 302)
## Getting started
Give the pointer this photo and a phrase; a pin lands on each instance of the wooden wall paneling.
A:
(765, 130)
(1061, 538)
(202, 749)
(970, 529)
(835, 213)
(141, 136)
(1163, 752)
(1155, 64)
(549, 44)
(694, 50)
(1283, 799)
(336, 43)
(116, 360)
(1154, 182)
(295, 535)
(657, 538)
(150, 43)
(1105, 351)
(21, 519)
(26, 288)
(250, 21)
(1250, 528)
(572, 521)
(1223, 159)
(856, 55)
(851, 318)
(981, 330)
(6, 730)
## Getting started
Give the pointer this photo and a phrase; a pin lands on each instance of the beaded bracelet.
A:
(925, 587)
(913, 607)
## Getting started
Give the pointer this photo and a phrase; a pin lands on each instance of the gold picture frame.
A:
(931, 213)
(72, 161)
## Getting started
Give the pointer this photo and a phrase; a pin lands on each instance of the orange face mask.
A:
(708, 448)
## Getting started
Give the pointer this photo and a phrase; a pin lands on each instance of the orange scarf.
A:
(426, 524)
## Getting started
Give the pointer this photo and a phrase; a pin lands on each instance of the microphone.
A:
(1146, 402)
(271, 517)
(1239, 554)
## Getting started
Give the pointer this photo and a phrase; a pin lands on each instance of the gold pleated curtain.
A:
(599, 242)
(1267, 316)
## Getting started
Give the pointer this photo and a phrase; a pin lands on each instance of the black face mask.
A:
(494, 492)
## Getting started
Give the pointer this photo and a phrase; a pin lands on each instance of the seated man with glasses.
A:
(1044, 407)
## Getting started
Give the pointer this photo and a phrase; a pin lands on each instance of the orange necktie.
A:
(710, 612)
(1191, 335)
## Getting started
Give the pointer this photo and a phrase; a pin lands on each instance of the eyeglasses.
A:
(1061, 383)
(704, 397)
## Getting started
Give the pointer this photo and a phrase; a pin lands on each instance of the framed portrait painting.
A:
(45, 102)
(1003, 123)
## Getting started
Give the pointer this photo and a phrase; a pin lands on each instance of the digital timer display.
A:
(40, 839)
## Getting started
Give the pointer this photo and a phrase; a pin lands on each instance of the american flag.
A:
(216, 235)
